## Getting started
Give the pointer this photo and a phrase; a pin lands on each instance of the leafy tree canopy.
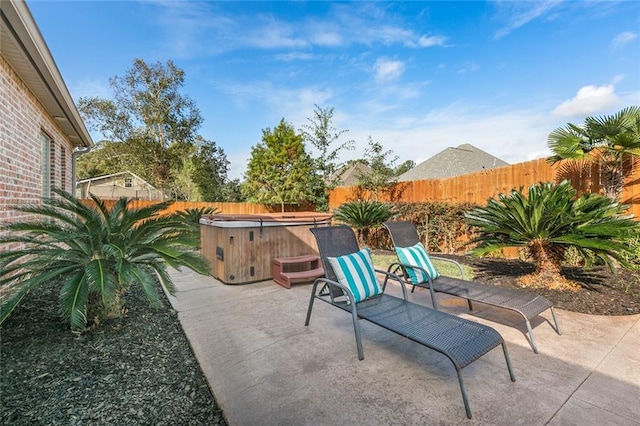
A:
(279, 170)
(321, 134)
(614, 138)
(150, 129)
(383, 175)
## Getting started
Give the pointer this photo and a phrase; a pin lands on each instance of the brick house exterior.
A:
(41, 131)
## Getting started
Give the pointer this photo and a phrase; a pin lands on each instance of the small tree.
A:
(609, 140)
(279, 170)
(322, 135)
(548, 221)
(382, 176)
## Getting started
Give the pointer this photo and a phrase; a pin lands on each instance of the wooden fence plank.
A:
(478, 187)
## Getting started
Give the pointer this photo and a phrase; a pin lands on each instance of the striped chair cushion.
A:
(417, 256)
(356, 271)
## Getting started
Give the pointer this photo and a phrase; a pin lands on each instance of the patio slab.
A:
(265, 367)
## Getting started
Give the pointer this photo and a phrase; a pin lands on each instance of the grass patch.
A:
(382, 261)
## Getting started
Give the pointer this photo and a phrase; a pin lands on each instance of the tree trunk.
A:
(548, 261)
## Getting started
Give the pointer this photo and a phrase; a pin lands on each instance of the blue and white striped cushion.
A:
(356, 271)
(417, 256)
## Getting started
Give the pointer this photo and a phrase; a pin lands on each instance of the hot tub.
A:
(241, 248)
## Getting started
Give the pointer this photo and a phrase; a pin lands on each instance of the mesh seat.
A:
(460, 340)
(528, 305)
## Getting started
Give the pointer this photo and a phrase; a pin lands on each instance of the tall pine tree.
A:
(280, 170)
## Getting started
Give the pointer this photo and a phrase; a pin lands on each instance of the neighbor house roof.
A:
(461, 160)
(97, 179)
(348, 175)
(24, 48)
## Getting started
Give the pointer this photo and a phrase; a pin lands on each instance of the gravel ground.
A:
(138, 369)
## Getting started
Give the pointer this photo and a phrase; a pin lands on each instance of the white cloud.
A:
(426, 41)
(624, 38)
(588, 100)
(511, 135)
(194, 29)
(326, 38)
(387, 70)
(274, 34)
(520, 13)
(295, 56)
(468, 67)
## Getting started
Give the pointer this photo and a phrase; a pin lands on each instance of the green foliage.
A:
(193, 215)
(615, 138)
(363, 215)
(549, 220)
(150, 129)
(279, 170)
(381, 178)
(94, 254)
(322, 135)
(232, 192)
(440, 225)
(448, 269)
(404, 167)
(210, 171)
(632, 256)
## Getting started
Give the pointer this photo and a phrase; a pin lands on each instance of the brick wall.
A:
(22, 122)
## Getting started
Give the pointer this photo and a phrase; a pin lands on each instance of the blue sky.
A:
(417, 77)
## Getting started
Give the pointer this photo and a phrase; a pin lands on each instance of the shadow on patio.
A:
(265, 367)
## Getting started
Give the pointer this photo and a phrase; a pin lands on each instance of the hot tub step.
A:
(298, 268)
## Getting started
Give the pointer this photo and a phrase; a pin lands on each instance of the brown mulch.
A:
(601, 292)
(134, 370)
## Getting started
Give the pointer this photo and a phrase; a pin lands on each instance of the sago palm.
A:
(549, 220)
(362, 215)
(613, 141)
(95, 254)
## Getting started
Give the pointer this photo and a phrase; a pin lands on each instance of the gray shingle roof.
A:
(461, 160)
(349, 174)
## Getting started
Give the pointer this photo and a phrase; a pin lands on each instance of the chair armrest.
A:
(327, 282)
(405, 266)
(444, 259)
(387, 275)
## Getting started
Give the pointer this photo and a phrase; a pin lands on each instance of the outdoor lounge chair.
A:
(460, 340)
(404, 235)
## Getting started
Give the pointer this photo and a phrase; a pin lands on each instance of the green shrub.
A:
(193, 215)
(441, 225)
(95, 254)
(363, 216)
(547, 222)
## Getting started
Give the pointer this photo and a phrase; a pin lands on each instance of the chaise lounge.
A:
(351, 285)
(418, 271)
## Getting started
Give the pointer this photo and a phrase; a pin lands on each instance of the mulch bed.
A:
(140, 369)
(601, 291)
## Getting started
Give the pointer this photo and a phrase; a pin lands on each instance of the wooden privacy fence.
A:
(478, 187)
(223, 208)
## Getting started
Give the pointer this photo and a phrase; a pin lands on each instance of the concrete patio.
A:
(266, 368)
